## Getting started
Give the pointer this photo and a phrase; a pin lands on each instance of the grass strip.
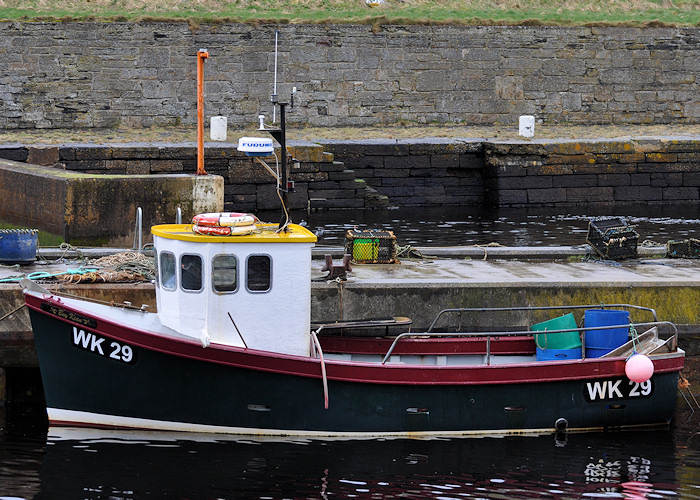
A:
(371, 12)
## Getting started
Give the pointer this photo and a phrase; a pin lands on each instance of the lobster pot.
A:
(600, 342)
(561, 345)
(18, 246)
(612, 238)
(371, 246)
(683, 249)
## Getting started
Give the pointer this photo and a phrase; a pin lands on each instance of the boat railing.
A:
(463, 310)
(490, 335)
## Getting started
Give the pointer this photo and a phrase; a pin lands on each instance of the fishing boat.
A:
(232, 349)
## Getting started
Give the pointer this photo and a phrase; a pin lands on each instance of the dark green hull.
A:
(205, 389)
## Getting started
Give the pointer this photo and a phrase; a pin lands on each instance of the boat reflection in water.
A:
(128, 464)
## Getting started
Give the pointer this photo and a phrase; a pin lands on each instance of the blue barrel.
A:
(600, 342)
(18, 246)
(558, 354)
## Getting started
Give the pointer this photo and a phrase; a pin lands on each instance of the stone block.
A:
(538, 168)
(638, 194)
(661, 157)
(243, 172)
(641, 179)
(674, 179)
(298, 198)
(404, 163)
(666, 167)
(326, 185)
(310, 153)
(297, 168)
(445, 161)
(681, 194)
(691, 179)
(438, 146)
(266, 198)
(341, 176)
(162, 166)
(85, 165)
(605, 168)
(614, 179)
(43, 155)
(471, 161)
(539, 182)
(505, 197)
(634, 157)
(309, 177)
(92, 152)
(545, 196)
(511, 170)
(584, 158)
(590, 194)
(14, 153)
(118, 167)
(574, 181)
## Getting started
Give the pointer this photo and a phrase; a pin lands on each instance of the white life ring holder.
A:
(224, 230)
(224, 219)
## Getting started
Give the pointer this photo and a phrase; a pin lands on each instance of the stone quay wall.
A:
(92, 74)
(420, 172)
(527, 173)
(320, 182)
(619, 172)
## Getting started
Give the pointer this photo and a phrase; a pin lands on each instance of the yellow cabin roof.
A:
(266, 233)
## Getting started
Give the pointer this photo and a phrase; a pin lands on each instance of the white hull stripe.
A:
(60, 417)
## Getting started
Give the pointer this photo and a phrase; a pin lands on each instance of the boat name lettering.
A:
(103, 346)
(69, 315)
(620, 388)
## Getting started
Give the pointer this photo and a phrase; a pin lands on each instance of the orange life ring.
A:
(224, 230)
(224, 219)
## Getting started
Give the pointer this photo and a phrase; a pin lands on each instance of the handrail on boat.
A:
(536, 308)
(488, 335)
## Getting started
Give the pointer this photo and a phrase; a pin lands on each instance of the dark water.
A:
(121, 465)
(105, 465)
(509, 227)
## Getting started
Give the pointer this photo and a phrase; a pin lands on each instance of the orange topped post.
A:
(201, 56)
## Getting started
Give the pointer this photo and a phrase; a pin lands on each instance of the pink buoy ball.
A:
(639, 368)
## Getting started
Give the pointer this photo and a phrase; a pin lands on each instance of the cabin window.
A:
(167, 271)
(259, 275)
(225, 273)
(191, 272)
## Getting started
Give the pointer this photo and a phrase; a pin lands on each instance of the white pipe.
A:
(274, 88)
(138, 230)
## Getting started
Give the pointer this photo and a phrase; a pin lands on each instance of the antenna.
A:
(273, 97)
(256, 146)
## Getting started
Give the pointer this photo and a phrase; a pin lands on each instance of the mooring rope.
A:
(44, 275)
(408, 252)
(121, 267)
